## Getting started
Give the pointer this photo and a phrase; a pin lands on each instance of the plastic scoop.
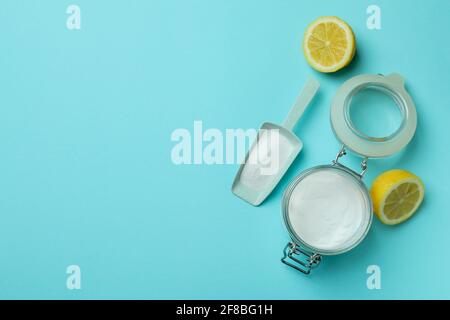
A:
(274, 150)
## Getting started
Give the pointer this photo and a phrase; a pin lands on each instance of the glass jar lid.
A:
(360, 142)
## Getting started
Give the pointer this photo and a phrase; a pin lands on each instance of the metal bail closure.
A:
(342, 153)
(300, 259)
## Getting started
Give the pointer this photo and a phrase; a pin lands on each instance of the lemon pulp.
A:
(396, 195)
(329, 44)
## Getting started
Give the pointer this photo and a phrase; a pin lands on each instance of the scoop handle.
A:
(306, 95)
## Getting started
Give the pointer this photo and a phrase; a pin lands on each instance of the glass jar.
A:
(301, 253)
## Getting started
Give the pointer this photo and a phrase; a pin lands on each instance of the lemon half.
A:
(396, 195)
(329, 44)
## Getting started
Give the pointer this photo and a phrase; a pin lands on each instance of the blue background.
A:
(86, 176)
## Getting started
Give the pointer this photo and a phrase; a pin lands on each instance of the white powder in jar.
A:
(327, 209)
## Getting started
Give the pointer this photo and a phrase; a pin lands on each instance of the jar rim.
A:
(367, 219)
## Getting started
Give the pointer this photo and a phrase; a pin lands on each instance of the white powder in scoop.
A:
(326, 209)
(267, 157)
